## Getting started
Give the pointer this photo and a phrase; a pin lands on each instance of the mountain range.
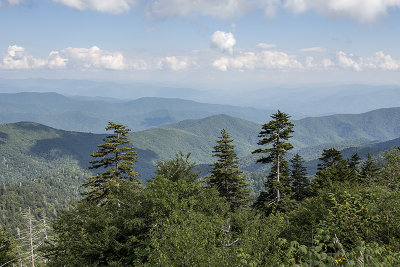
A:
(28, 148)
(92, 114)
(300, 100)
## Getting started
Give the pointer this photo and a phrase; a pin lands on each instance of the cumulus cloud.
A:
(106, 6)
(56, 61)
(16, 58)
(266, 46)
(327, 63)
(263, 60)
(313, 49)
(244, 62)
(80, 58)
(93, 57)
(360, 10)
(224, 41)
(378, 61)
(384, 62)
(280, 60)
(348, 61)
(172, 63)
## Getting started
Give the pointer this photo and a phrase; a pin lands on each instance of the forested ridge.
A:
(346, 214)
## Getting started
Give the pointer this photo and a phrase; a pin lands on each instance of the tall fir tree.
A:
(225, 174)
(329, 158)
(116, 160)
(275, 134)
(354, 163)
(298, 176)
(369, 170)
(332, 168)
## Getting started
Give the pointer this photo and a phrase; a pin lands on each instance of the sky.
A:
(202, 43)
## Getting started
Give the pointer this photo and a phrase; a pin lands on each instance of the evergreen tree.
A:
(353, 163)
(333, 168)
(117, 160)
(369, 170)
(9, 251)
(330, 158)
(275, 133)
(226, 176)
(298, 176)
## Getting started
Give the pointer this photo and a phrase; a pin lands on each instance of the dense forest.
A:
(346, 214)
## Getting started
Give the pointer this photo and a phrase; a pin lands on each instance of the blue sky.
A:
(202, 42)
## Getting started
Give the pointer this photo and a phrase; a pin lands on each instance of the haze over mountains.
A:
(299, 101)
(91, 115)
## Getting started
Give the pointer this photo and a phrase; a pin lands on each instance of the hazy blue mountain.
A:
(298, 100)
(91, 114)
(322, 99)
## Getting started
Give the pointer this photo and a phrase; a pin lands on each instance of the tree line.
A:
(347, 215)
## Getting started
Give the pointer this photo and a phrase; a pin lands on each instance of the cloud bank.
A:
(256, 59)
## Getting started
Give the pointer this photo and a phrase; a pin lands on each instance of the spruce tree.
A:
(369, 170)
(116, 161)
(275, 135)
(298, 176)
(225, 174)
(332, 169)
(329, 158)
(353, 163)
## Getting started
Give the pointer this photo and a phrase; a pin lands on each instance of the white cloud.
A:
(280, 60)
(348, 61)
(263, 60)
(309, 62)
(80, 58)
(225, 9)
(327, 63)
(384, 62)
(56, 61)
(266, 46)
(10, 2)
(16, 58)
(172, 63)
(247, 61)
(93, 57)
(313, 49)
(106, 6)
(224, 41)
(360, 10)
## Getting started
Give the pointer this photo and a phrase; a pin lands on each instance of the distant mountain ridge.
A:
(300, 100)
(90, 115)
(29, 148)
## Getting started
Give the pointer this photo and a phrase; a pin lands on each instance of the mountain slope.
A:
(91, 114)
(381, 124)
